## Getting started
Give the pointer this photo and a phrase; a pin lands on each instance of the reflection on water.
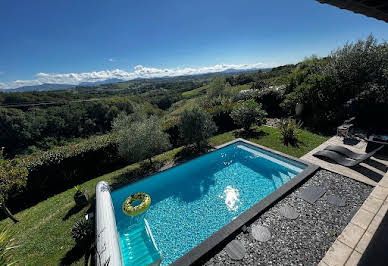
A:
(231, 198)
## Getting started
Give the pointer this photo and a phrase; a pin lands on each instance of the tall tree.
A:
(140, 140)
(196, 126)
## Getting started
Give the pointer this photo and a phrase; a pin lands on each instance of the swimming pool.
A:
(192, 201)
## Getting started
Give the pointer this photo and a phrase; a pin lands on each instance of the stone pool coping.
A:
(201, 252)
(354, 239)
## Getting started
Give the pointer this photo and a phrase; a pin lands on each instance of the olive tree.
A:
(139, 140)
(248, 113)
(13, 177)
(196, 126)
(217, 87)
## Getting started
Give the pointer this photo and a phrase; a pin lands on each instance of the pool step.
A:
(138, 246)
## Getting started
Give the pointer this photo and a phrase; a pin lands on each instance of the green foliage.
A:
(270, 98)
(326, 86)
(6, 248)
(248, 113)
(83, 232)
(196, 126)
(140, 140)
(217, 87)
(290, 129)
(56, 155)
(13, 177)
(48, 127)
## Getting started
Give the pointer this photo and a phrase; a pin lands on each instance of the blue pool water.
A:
(192, 201)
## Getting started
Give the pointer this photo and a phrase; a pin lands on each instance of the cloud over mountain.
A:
(139, 72)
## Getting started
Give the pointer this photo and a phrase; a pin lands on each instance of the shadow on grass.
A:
(74, 210)
(251, 134)
(296, 143)
(74, 255)
(191, 152)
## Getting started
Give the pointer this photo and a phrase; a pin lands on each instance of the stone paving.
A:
(370, 172)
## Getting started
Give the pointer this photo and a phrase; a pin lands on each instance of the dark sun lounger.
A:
(351, 154)
(340, 159)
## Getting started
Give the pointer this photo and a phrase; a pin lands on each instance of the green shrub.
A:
(290, 129)
(51, 172)
(248, 113)
(13, 177)
(83, 232)
(221, 117)
(5, 248)
(325, 86)
(271, 98)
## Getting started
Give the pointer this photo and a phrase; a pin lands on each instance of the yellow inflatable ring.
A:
(131, 210)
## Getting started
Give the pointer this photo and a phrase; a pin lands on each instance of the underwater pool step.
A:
(139, 247)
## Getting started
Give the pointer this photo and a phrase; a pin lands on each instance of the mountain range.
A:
(53, 86)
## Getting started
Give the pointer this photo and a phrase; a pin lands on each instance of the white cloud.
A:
(139, 72)
(111, 60)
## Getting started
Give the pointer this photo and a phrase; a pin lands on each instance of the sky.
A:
(72, 41)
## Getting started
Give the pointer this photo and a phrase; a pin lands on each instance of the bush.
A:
(83, 232)
(221, 117)
(248, 113)
(141, 140)
(13, 176)
(54, 171)
(196, 126)
(325, 86)
(271, 98)
(289, 129)
(5, 248)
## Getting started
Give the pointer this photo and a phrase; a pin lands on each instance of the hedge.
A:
(51, 172)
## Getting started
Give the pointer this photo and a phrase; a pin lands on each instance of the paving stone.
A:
(380, 192)
(336, 201)
(351, 235)
(261, 233)
(235, 250)
(374, 224)
(337, 254)
(312, 193)
(288, 212)
(372, 204)
(362, 218)
(364, 242)
(383, 209)
(353, 259)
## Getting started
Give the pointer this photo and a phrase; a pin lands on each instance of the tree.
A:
(13, 177)
(196, 126)
(248, 113)
(139, 140)
(217, 87)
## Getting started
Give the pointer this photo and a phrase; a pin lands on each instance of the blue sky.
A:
(73, 36)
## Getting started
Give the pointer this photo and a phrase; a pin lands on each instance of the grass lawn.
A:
(43, 233)
(195, 92)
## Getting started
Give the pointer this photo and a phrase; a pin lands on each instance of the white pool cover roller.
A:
(107, 238)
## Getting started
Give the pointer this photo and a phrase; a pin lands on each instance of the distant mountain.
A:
(43, 87)
(233, 70)
(107, 81)
(52, 87)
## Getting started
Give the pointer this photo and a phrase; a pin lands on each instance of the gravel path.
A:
(305, 240)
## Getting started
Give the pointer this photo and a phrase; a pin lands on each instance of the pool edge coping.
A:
(198, 254)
